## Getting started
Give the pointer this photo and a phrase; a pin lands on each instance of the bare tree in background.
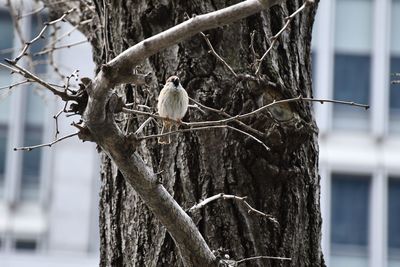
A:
(251, 132)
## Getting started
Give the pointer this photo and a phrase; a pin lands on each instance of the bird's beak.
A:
(176, 82)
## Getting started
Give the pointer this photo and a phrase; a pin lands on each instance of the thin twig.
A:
(263, 257)
(226, 115)
(251, 46)
(15, 84)
(212, 51)
(29, 148)
(105, 29)
(55, 117)
(205, 125)
(195, 106)
(140, 129)
(139, 112)
(68, 33)
(7, 50)
(254, 112)
(246, 115)
(276, 36)
(33, 12)
(51, 49)
(205, 128)
(11, 69)
(206, 201)
(15, 20)
(27, 74)
(51, 60)
(40, 35)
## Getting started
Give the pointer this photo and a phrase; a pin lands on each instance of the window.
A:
(30, 179)
(25, 245)
(352, 67)
(394, 221)
(5, 79)
(33, 126)
(349, 220)
(394, 94)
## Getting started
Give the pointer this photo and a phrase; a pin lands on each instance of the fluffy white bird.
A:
(172, 104)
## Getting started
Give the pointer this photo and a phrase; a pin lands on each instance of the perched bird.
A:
(172, 104)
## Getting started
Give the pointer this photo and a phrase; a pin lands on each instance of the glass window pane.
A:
(30, 180)
(353, 42)
(7, 34)
(394, 98)
(351, 83)
(394, 30)
(349, 220)
(394, 221)
(35, 108)
(36, 27)
(353, 25)
(3, 147)
(25, 245)
(352, 77)
(6, 44)
(350, 209)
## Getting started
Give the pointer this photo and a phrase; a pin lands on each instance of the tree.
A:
(140, 223)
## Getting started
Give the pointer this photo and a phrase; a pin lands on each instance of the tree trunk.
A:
(283, 182)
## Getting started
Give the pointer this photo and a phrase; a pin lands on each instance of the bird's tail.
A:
(167, 138)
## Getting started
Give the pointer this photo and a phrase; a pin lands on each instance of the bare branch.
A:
(212, 51)
(246, 115)
(195, 106)
(139, 112)
(276, 36)
(51, 49)
(27, 74)
(206, 125)
(240, 199)
(140, 129)
(40, 35)
(29, 148)
(253, 51)
(122, 64)
(15, 84)
(11, 69)
(33, 12)
(17, 27)
(204, 128)
(226, 115)
(68, 33)
(55, 117)
(262, 257)
(254, 112)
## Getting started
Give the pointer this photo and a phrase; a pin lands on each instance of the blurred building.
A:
(356, 47)
(48, 196)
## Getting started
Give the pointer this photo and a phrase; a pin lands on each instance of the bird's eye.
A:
(176, 81)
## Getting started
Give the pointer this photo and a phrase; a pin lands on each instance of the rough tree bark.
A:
(283, 182)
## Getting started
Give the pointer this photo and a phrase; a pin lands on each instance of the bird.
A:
(173, 102)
